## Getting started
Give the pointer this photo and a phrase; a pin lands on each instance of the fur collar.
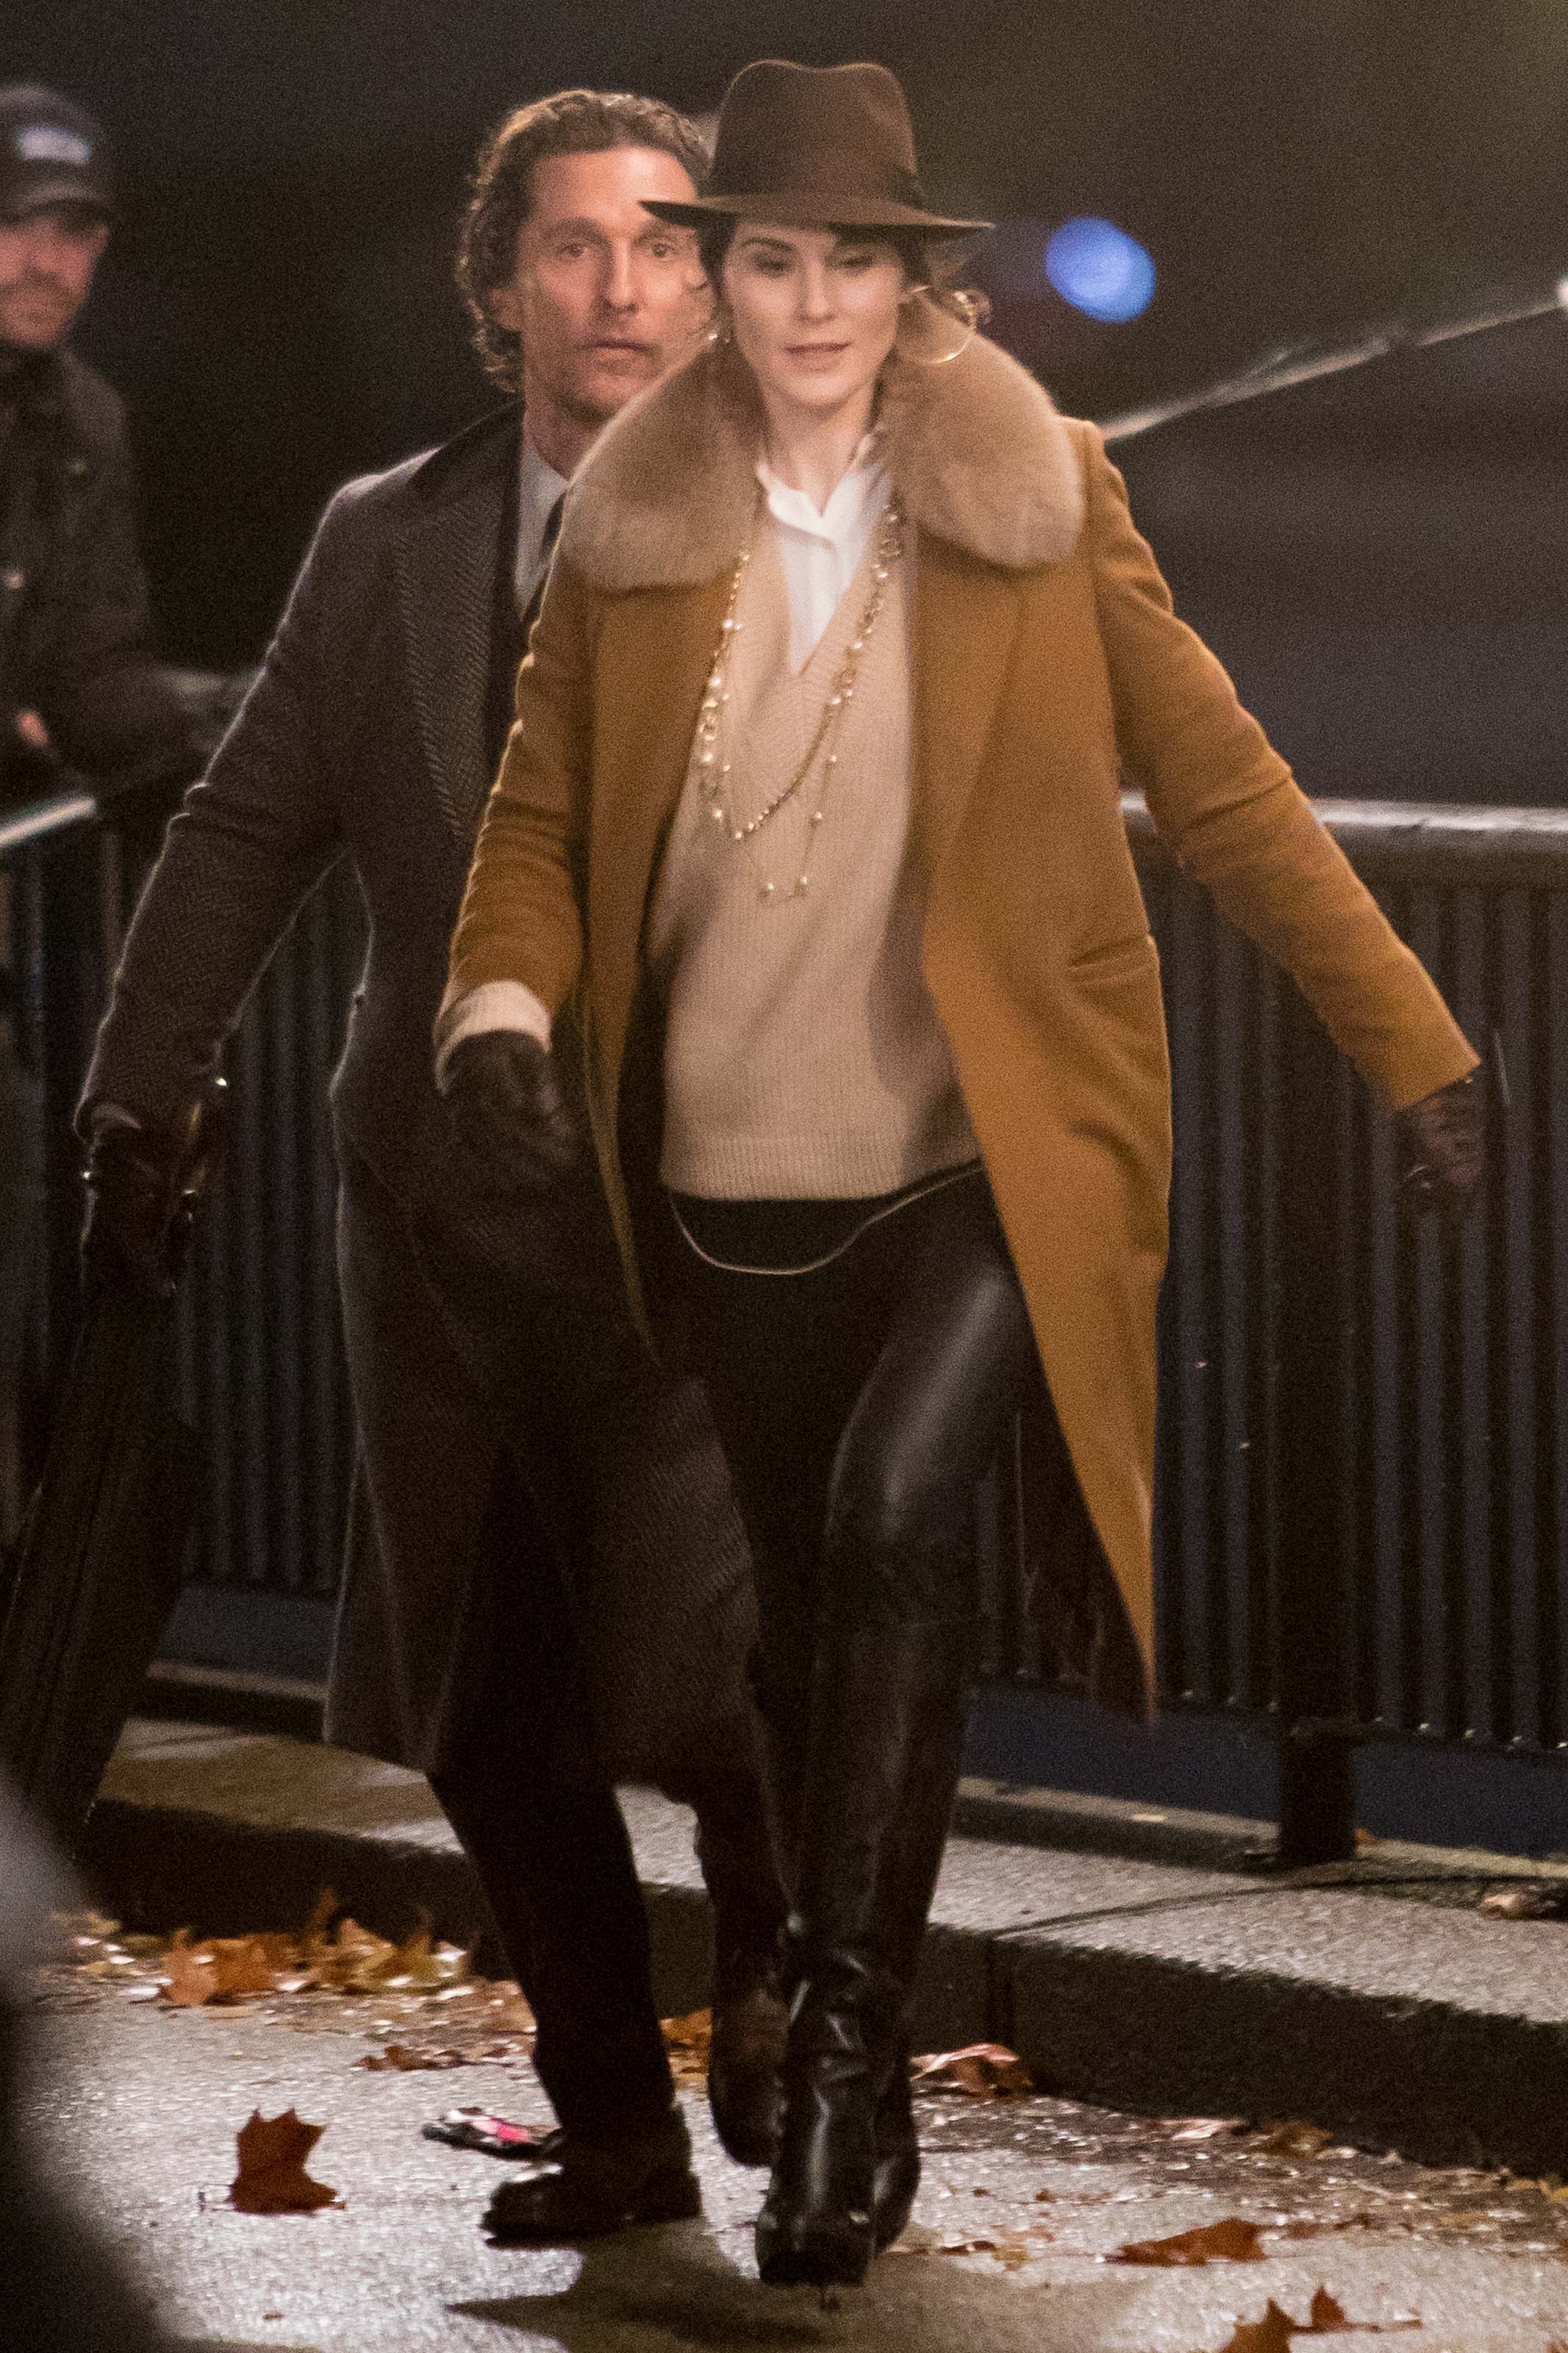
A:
(978, 452)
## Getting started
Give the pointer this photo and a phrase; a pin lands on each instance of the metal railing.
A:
(1362, 1514)
(63, 908)
(1362, 1522)
(258, 1351)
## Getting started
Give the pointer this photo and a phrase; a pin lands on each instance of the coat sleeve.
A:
(521, 917)
(250, 842)
(1235, 818)
(108, 702)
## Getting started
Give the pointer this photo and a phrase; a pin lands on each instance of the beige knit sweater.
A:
(804, 1057)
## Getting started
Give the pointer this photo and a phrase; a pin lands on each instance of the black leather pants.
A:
(859, 1404)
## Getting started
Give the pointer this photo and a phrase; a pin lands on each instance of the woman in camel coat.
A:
(903, 1186)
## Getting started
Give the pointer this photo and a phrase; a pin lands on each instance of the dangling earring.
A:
(919, 344)
(721, 334)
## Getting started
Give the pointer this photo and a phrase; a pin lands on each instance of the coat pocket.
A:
(1122, 960)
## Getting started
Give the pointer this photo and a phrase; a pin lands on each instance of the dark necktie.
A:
(546, 550)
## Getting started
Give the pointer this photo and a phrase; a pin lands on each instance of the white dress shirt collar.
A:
(821, 548)
(538, 487)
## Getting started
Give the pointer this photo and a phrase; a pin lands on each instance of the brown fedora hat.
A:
(815, 147)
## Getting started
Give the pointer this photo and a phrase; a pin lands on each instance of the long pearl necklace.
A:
(714, 763)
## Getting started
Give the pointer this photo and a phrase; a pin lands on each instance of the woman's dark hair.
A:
(572, 122)
(927, 261)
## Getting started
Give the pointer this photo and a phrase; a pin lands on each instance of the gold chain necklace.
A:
(714, 765)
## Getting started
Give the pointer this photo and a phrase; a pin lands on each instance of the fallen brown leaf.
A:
(1290, 2139)
(1524, 1904)
(347, 1958)
(272, 2179)
(322, 1913)
(1272, 2334)
(1011, 2250)
(1230, 2242)
(221, 1968)
(1363, 2219)
(981, 2071)
(507, 2009)
(688, 2041)
(396, 2058)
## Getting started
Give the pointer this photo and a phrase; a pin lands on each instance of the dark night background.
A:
(1381, 558)
(279, 310)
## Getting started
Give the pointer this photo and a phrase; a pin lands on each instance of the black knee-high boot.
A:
(783, 1700)
(886, 1726)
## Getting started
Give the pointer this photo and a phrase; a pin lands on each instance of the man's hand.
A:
(1442, 1147)
(145, 1184)
(504, 1094)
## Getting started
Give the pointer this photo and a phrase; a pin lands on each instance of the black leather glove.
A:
(1441, 1144)
(503, 1092)
(145, 1184)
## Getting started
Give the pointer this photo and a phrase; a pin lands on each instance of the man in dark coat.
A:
(78, 678)
(546, 1585)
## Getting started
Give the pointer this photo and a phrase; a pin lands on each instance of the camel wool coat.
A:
(1048, 663)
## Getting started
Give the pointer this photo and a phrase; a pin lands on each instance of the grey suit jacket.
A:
(371, 732)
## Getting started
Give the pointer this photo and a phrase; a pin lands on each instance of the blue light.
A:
(1099, 268)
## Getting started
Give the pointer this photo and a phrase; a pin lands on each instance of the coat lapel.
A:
(447, 569)
(966, 617)
(668, 635)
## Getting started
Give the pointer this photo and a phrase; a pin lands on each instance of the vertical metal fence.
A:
(259, 1352)
(1362, 1498)
(1361, 1518)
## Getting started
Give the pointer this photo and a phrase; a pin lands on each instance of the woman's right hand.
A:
(503, 1091)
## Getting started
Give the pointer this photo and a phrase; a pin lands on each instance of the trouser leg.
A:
(471, 1625)
(557, 1868)
(658, 1580)
(547, 1838)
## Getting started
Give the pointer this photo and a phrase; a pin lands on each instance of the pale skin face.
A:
(815, 315)
(605, 297)
(47, 264)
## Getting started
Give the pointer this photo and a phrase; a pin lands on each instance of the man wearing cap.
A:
(78, 679)
(496, 1380)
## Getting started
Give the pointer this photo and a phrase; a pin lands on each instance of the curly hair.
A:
(572, 122)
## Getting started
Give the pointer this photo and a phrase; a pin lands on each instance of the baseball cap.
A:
(51, 153)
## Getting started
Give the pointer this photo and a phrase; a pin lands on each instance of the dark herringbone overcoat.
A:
(474, 1330)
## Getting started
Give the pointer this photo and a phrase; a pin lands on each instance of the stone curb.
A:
(1139, 1985)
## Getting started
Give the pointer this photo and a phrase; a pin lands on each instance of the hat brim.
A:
(39, 194)
(810, 210)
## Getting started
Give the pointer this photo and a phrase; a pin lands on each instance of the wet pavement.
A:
(1434, 2025)
(1024, 2206)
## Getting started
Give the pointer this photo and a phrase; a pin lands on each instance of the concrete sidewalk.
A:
(1374, 1999)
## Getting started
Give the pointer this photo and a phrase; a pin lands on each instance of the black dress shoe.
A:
(578, 2189)
(750, 2023)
